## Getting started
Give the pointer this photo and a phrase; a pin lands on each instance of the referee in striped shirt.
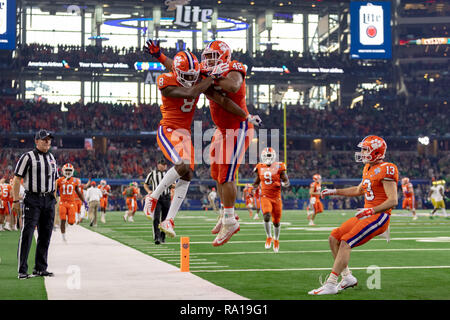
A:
(163, 205)
(39, 172)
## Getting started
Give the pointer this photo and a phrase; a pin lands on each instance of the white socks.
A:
(268, 228)
(181, 189)
(276, 232)
(169, 178)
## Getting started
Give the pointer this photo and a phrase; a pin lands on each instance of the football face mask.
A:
(268, 156)
(215, 53)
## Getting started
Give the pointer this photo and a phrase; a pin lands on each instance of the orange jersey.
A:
(6, 193)
(248, 192)
(316, 188)
(258, 192)
(105, 190)
(408, 191)
(66, 188)
(81, 189)
(270, 177)
(222, 118)
(372, 183)
(132, 193)
(177, 113)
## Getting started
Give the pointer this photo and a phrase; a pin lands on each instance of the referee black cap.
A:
(162, 160)
(42, 134)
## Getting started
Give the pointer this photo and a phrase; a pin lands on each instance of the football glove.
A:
(218, 71)
(364, 213)
(153, 48)
(328, 192)
(254, 119)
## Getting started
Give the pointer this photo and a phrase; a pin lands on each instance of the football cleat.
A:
(226, 232)
(268, 243)
(349, 281)
(167, 227)
(217, 227)
(327, 288)
(276, 246)
(150, 206)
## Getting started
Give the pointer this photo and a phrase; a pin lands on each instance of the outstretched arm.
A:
(225, 102)
(152, 47)
(187, 92)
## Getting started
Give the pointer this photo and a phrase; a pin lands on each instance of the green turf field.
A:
(12, 288)
(415, 264)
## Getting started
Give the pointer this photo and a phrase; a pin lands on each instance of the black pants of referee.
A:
(38, 211)
(161, 210)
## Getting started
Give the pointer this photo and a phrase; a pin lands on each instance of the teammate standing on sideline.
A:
(409, 200)
(180, 91)
(314, 201)
(271, 175)
(93, 196)
(162, 207)
(39, 172)
(379, 187)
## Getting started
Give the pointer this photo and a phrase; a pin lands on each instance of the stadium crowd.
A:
(386, 120)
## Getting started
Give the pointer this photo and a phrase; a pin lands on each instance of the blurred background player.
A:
(379, 187)
(68, 189)
(271, 175)
(437, 196)
(2, 207)
(8, 214)
(131, 194)
(180, 92)
(409, 200)
(106, 191)
(212, 196)
(247, 196)
(315, 205)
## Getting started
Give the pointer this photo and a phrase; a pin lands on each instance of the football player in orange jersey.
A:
(7, 212)
(131, 193)
(233, 134)
(68, 188)
(314, 200)
(180, 92)
(409, 201)
(379, 187)
(3, 207)
(271, 175)
(247, 196)
(106, 188)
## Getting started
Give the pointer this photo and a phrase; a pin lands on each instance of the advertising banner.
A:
(7, 24)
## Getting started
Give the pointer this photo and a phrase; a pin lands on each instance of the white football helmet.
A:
(67, 170)
(103, 182)
(268, 156)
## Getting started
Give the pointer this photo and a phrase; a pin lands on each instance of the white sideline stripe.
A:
(318, 251)
(110, 270)
(304, 240)
(328, 268)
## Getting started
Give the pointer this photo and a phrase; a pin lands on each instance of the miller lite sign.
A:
(370, 30)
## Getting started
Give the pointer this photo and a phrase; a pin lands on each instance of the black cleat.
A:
(23, 276)
(42, 274)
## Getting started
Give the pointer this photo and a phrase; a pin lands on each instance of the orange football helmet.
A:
(268, 156)
(405, 180)
(373, 148)
(215, 53)
(67, 170)
(317, 177)
(186, 68)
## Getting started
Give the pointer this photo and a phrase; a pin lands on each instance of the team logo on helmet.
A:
(373, 148)
(67, 170)
(186, 68)
(268, 156)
